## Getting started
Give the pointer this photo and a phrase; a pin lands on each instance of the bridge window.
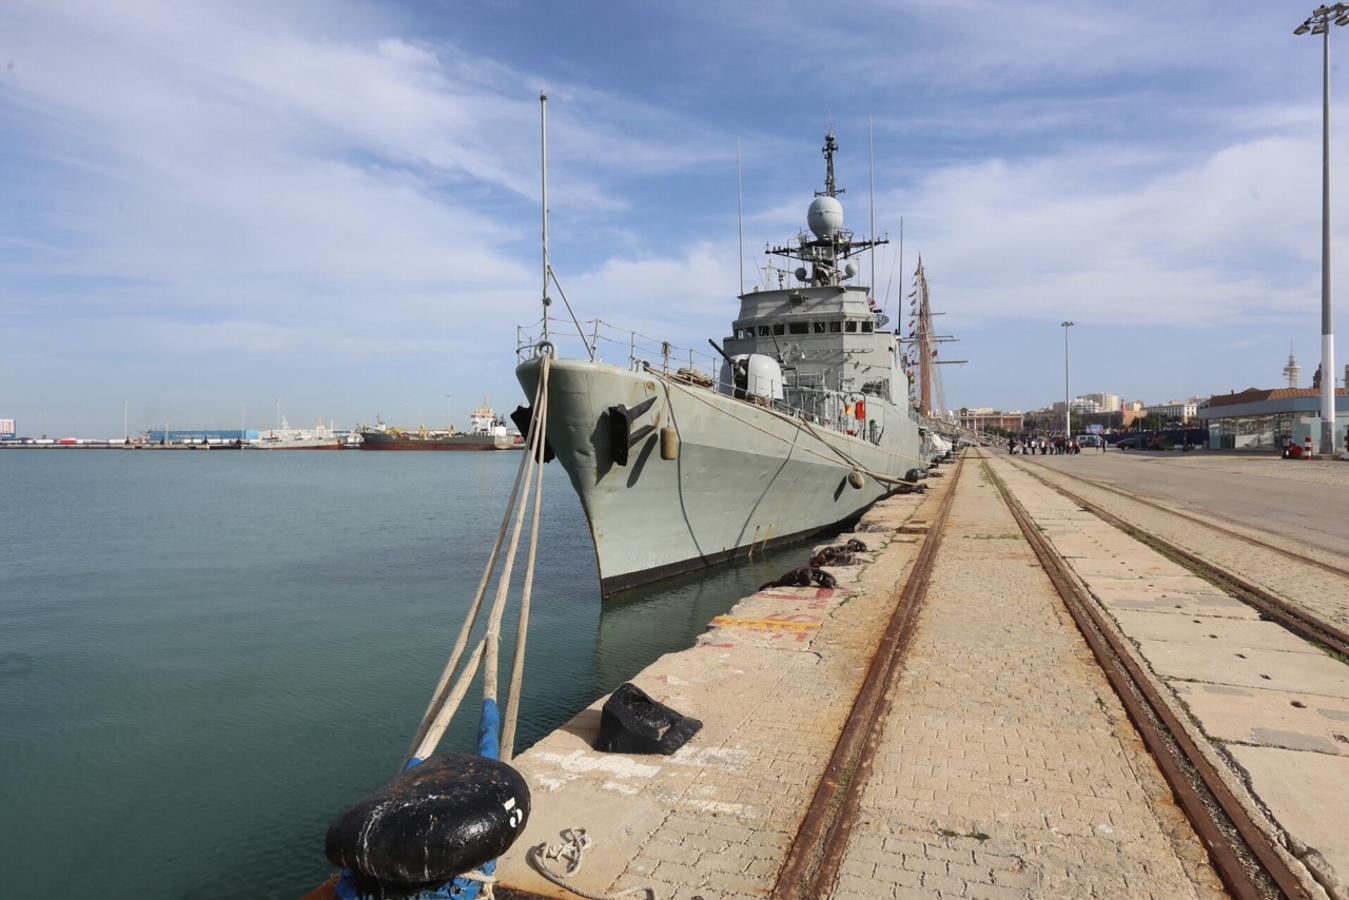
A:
(835, 327)
(763, 331)
(779, 328)
(850, 327)
(819, 327)
(866, 326)
(798, 328)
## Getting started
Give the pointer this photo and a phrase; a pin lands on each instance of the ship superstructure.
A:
(804, 423)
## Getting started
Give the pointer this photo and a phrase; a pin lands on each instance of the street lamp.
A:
(1067, 404)
(1319, 22)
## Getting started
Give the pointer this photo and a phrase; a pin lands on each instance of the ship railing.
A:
(604, 342)
(822, 407)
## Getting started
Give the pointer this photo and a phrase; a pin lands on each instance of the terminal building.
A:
(1265, 420)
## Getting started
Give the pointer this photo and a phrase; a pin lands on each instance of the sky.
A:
(210, 209)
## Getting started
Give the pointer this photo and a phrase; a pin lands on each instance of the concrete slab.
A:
(1305, 792)
(1310, 671)
(1287, 719)
(1213, 605)
(1196, 629)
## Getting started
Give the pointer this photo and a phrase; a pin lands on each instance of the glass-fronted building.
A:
(1265, 420)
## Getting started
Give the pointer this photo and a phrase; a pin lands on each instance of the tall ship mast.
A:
(799, 423)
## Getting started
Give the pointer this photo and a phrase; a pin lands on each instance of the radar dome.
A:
(825, 217)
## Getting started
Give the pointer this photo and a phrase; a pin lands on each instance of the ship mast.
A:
(831, 243)
(831, 188)
(923, 340)
(926, 346)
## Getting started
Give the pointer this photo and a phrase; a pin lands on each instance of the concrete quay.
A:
(1001, 756)
(1268, 707)
(1004, 764)
(773, 682)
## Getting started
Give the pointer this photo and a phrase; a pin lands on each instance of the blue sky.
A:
(204, 205)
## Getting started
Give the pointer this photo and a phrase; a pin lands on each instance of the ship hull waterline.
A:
(422, 445)
(744, 477)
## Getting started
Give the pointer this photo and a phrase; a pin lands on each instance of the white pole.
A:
(871, 153)
(449, 416)
(1327, 321)
(1067, 403)
(740, 213)
(543, 160)
(125, 434)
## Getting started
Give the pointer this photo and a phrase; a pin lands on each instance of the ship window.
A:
(866, 326)
(850, 327)
(798, 328)
(779, 328)
(763, 331)
(835, 327)
(819, 328)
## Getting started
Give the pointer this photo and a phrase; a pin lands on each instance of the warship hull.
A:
(744, 476)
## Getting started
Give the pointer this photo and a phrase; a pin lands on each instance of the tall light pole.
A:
(1319, 22)
(125, 436)
(449, 416)
(1067, 403)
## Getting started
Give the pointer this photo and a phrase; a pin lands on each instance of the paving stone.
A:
(1006, 758)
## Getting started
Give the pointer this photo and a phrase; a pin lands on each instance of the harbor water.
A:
(205, 656)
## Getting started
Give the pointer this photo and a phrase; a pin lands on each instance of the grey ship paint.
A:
(810, 393)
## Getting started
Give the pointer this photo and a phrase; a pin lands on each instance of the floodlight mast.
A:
(1319, 22)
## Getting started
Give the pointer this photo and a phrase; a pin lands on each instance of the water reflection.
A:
(641, 624)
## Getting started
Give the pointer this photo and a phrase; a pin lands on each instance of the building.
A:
(985, 418)
(7, 428)
(1267, 419)
(1104, 402)
(1176, 410)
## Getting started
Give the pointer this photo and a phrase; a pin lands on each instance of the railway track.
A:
(1301, 622)
(813, 859)
(1242, 853)
(1333, 568)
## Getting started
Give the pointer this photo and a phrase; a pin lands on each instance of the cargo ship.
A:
(487, 431)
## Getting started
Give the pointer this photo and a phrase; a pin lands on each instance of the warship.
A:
(802, 422)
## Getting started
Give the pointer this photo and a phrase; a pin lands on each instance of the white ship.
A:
(321, 437)
(804, 425)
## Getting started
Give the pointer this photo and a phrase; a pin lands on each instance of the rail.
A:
(1244, 856)
(1288, 614)
(814, 857)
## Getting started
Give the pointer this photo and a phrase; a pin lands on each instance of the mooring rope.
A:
(450, 691)
(527, 592)
(575, 842)
(438, 697)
